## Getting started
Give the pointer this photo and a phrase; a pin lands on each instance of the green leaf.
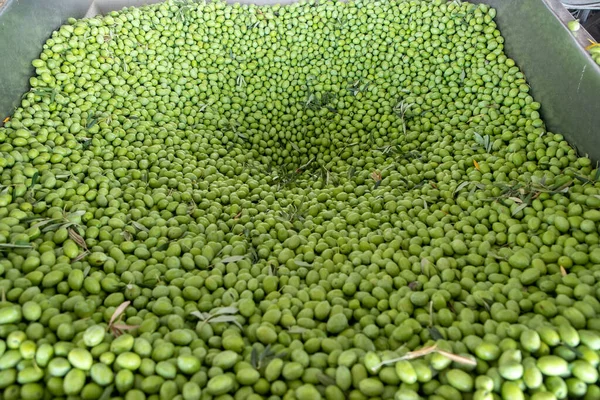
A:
(27, 220)
(201, 316)
(224, 310)
(461, 186)
(53, 227)
(139, 226)
(106, 394)
(163, 247)
(521, 207)
(435, 333)
(296, 329)
(34, 179)
(583, 179)
(325, 379)
(231, 259)
(254, 357)
(302, 263)
(91, 123)
(226, 318)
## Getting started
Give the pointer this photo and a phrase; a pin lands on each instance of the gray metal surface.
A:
(562, 76)
(564, 79)
(24, 27)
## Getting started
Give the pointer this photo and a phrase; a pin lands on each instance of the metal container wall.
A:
(24, 27)
(563, 78)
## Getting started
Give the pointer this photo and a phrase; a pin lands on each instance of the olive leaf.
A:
(8, 246)
(231, 259)
(34, 179)
(163, 246)
(259, 360)
(520, 208)
(458, 359)
(80, 257)
(139, 226)
(77, 238)
(301, 263)
(107, 393)
(325, 379)
(435, 333)
(115, 325)
(461, 187)
(222, 314)
(296, 329)
(227, 318)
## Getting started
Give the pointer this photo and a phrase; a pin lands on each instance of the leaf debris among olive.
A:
(320, 200)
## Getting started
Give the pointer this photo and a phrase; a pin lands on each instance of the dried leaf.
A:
(457, 358)
(563, 271)
(118, 311)
(231, 259)
(476, 164)
(76, 237)
(516, 199)
(124, 327)
(376, 175)
(418, 353)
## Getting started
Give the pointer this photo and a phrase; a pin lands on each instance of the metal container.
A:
(563, 77)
